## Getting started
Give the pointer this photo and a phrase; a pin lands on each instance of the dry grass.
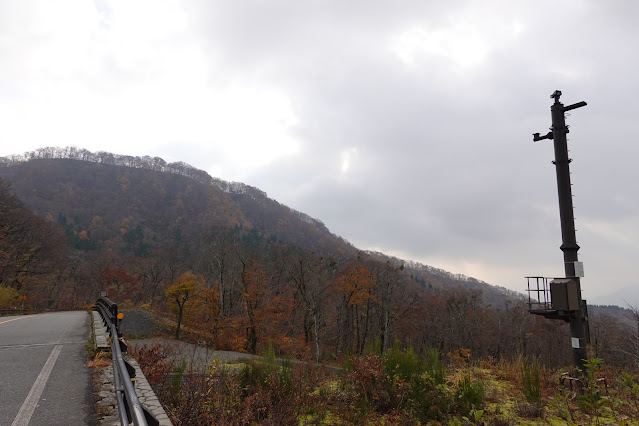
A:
(101, 360)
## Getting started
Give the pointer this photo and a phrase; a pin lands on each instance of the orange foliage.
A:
(232, 337)
(96, 222)
(265, 307)
(356, 283)
(119, 281)
(461, 355)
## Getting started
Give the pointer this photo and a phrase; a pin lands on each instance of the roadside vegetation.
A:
(371, 339)
(397, 386)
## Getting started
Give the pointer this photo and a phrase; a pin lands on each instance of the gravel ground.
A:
(199, 357)
(143, 324)
(145, 328)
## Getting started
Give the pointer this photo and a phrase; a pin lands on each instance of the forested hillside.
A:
(238, 269)
(104, 196)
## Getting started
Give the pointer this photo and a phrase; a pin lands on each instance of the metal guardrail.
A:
(129, 407)
(12, 311)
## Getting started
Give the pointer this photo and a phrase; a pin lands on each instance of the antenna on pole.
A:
(562, 299)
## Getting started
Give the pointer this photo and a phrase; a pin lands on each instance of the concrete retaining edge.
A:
(106, 402)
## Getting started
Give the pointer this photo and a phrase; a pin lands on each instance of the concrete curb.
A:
(147, 397)
(106, 401)
(99, 332)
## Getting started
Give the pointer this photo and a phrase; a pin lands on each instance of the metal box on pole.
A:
(564, 295)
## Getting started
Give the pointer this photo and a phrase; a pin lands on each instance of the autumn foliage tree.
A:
(117, 279)
(182, 291)
(9, 297)
(355, 285)
(312, 279)
(264, 297)
(394, 297)
(254, 283)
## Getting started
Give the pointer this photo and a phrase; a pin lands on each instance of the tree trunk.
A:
(316, 336)
(385, 331)
(179, 321)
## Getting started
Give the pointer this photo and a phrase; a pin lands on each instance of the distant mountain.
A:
(145, 202)
(627, 296)
(434, 279)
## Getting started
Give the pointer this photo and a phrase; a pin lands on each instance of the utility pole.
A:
(565, 293)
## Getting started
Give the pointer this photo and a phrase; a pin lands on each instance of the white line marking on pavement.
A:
(31, 345)
(29, 405)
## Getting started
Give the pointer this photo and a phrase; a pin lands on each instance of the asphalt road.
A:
(44, 379)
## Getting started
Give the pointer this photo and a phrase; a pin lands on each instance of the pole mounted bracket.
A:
(537, 138)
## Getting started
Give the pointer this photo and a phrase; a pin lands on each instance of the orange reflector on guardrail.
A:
(120, 315)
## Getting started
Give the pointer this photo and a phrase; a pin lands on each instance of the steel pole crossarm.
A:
(575, 106)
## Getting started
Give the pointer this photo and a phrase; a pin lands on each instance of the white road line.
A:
(29, 405)
(30, 345)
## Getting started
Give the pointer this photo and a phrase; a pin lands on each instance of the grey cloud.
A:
(444, 163)
(452, 167)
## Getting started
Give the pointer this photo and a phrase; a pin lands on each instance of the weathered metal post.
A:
(567, 303)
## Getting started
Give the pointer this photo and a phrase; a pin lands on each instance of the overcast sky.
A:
(405, 126)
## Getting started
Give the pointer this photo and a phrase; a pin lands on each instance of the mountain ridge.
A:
(253, 270)
(242, 205)
(146, 162)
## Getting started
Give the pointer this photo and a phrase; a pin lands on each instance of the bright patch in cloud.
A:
(461, 45)
(347, 159)
(466, 43)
